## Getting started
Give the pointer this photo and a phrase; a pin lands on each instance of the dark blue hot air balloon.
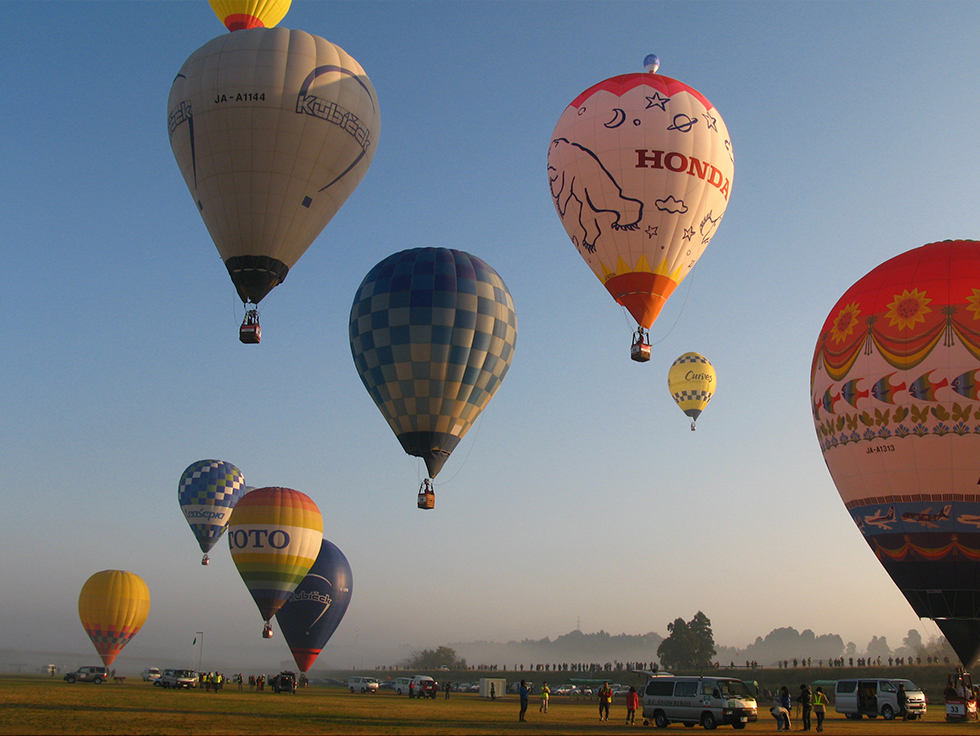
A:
(432, 333)
(315, 609)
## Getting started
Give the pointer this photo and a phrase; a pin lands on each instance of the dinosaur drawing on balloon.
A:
(590, 204)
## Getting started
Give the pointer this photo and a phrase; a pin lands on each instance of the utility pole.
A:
(200, 655)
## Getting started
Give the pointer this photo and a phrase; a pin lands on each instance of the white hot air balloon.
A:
(272, 129)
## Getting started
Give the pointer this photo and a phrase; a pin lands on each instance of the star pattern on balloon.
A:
(688, 233)
(712, 121)
(657, 100)
(651, 231)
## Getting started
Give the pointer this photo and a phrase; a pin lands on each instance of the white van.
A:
(710, 701)
(401, 685)
(877, 696)
(363, 684)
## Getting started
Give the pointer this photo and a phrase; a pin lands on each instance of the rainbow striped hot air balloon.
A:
(274, 536)
(113, 606)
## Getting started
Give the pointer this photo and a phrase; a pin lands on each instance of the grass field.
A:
(38, 705)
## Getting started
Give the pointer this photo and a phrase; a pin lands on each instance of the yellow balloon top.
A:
(240, 14)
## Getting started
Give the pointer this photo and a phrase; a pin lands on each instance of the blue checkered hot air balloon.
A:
(432, 332)
(207, 493)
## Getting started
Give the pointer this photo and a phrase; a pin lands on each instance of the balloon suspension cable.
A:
(267, 631)
(206, 560)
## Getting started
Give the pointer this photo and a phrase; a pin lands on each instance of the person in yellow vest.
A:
(545, 695)
(820, 704)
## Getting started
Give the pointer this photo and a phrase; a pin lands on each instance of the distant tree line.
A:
(435, 659)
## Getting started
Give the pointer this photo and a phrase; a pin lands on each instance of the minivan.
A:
(401, 685)
(877, 696)
(362, 684)
(709, 701)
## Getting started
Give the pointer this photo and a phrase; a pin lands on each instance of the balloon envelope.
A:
(241, 14)
(315, 609)
(432, 333)
(272, 129)
(207, 492)
(274, 536)
(113, 606)
(894, 390)
(691, 381)
(640, 168)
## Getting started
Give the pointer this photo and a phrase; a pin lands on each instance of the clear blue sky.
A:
(581, 495)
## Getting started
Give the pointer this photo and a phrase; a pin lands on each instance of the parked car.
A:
(401, 685)
(179, 679)
(284, 682)
(362, 684)
(98, 675)
(565, 690)
(425, 687)
(874, 696)
(151, 674)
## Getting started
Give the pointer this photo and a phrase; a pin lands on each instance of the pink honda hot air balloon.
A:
(640, 168)
(895, 398)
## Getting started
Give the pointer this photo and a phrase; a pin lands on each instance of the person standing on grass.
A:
(525, 693)
(805, 699)
(605, 700)
(820, 704)
(632, 704)
(545, 696)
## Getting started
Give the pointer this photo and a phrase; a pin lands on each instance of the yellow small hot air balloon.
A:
(692, 381)
(240, 14)
(113, 606)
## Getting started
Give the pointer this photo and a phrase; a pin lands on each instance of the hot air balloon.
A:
(640, 168)
(272, 130)
(315, 609)
(432, 332)
(274, 536)
(240, 14)
(113, 606)
(207, 492)
(692, 381)
(896, 407)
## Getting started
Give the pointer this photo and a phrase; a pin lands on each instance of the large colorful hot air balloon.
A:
(272, 129)
(692, 382)
(432, 332)
(274, 536)
(241, 14)
(207, 492)
(896, 404)
(113, 606)
(315, 609)
(640, 168)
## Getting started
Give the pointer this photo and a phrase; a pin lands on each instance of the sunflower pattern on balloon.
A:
(896, 407)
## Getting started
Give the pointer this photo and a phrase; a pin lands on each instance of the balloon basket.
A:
(205, 560)
(640, 351)
(267, 631)
(427, 496)
(250, 332)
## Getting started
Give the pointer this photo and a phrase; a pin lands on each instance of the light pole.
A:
(200, 656)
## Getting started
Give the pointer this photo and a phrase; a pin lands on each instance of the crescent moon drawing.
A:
(619, 117)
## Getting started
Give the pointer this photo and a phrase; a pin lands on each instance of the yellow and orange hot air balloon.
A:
(238, 15)
(275, 535)
(640, 168)
(113, 606)
(692, 382)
